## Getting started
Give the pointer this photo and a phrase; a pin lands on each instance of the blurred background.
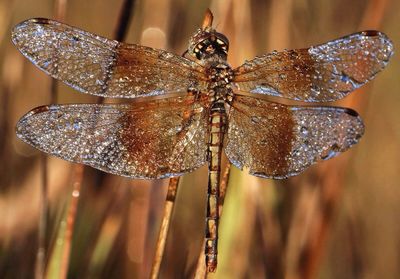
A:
(339, 219)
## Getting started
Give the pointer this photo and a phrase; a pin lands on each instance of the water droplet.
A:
(331, 152)
(297, 152)
(57, 150)
(315, 90)
(166, 55)
(263, 142)
(266, 89)
(77, 124)
(304, 147)
(75, 39)
(345, 78)
(53, 108)
(282, 76)
(255, 119)
(39, 31)
(46, 63)
(304, 131)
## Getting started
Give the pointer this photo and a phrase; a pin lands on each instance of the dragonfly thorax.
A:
(219, 75)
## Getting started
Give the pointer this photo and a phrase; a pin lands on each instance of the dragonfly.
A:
(186, 110)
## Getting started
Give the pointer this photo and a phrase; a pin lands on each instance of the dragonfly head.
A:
(207, 42)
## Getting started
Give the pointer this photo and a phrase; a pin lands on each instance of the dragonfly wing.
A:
(277, 141)
(155, 139)
(321, 73)
(103, 67)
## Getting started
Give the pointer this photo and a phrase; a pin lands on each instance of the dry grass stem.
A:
(43, 209)
(162, 236)
(71, 216)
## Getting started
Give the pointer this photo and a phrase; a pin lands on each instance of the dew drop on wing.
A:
(315, 90)
(77, 124)
(304, 131)
(52, 108)
(178, 128)
(266, 89)
(57, 150)
(331, 152)
(345, 78)
(165, 55)
(255, 119)
(305, 146)
(264, 142)
(46, 63)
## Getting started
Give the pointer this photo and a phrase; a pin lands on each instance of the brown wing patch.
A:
(103, 67)
(260, 135)
(321, 73)
(287, 71)
(278, 141)
(152, 139)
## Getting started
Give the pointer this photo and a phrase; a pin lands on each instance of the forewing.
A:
(277, 141)
(96, 65)
(322, 73)
(156, 139)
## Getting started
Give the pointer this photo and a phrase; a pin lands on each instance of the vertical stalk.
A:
(70, 219)
(43, 208)
(162, 236)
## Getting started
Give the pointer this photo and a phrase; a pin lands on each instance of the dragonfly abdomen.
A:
(217, 130)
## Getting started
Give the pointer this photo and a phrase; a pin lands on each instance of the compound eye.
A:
(224, 48)
(222, 44)
(196, 51)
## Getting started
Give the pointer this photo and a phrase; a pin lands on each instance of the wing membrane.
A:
(277, 141)
(96, 65)
(156, 139)
(321, 73)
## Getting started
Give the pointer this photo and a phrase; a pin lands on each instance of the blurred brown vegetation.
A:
(340, 219)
